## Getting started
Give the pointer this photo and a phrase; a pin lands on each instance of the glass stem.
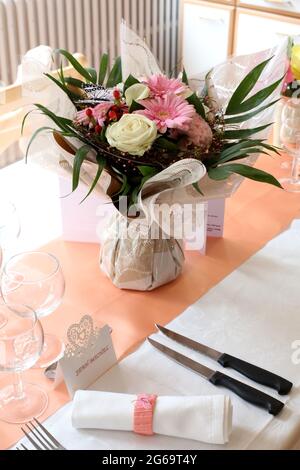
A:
(18, 386)
(295, 168)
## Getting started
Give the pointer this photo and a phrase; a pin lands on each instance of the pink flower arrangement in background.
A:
(168, 112)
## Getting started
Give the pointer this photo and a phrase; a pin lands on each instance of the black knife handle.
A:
(250, 394)
(257, 374)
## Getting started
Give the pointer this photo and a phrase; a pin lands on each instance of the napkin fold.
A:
(201, 418)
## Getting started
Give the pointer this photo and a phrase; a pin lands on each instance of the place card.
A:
(88, 355)
(215, 218)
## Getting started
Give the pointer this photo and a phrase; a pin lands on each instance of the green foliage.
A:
(197, 103)
(131, 80)
(103, 69)
(224, 171)
(115, 75)
(79, 158)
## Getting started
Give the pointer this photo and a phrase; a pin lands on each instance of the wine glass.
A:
(36, 278)
(9, 232)
(21, 343)
(290, 139)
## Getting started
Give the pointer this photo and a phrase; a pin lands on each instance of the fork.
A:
(40, 437)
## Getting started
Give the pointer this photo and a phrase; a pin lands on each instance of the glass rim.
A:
(26, 253)
(13, 211)
(9, 306)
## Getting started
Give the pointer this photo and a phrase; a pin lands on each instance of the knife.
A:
(250, 394)
(251, 371)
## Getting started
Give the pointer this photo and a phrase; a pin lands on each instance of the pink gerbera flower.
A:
(169, 112)
(161, 85)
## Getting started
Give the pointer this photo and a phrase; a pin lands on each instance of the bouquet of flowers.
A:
(161, 139)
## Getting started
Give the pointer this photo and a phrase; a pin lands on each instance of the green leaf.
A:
(196, 186)
(102, 69)
(255, 174)
(244, 88)
(77, 66)
(184, 78)
(34, 135)
(69, 93)
(131, 80)
(80, 155)
(115, 75)
(138, 188)
(74, 82)
(135, 106)
(245, 117)
(147, 170)
(101, 165)
(103, 134)
(93, 74)
(243, 133)
(196, 102)
(125, 186)
(165, 143)
(255, 100)
(235, 148)
(272, 148)
(24, 120)
(61, 122)
(242, 154)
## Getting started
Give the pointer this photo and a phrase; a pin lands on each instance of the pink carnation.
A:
(199, 134)
(161, 85)
(169, 112)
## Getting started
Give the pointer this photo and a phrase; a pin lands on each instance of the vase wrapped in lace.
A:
(137, 261)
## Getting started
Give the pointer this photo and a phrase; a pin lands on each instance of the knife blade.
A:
(247, 393)
(255, 373)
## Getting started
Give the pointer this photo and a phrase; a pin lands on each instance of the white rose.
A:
(133, 133)
(136, 92)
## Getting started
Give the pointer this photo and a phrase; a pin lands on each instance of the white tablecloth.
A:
(253, 313)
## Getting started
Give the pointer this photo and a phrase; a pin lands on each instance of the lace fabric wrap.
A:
(139, 262)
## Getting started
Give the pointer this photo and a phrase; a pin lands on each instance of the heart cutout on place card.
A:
(79, 334)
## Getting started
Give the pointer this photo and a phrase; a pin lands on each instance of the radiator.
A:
(88, 26)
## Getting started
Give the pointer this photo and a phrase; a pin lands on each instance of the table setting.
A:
(150, 345)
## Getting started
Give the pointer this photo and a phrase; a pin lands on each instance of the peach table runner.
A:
(254, 215)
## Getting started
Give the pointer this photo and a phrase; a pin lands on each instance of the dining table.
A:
(242, 296)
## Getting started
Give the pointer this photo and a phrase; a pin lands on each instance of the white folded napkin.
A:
(201, 418)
